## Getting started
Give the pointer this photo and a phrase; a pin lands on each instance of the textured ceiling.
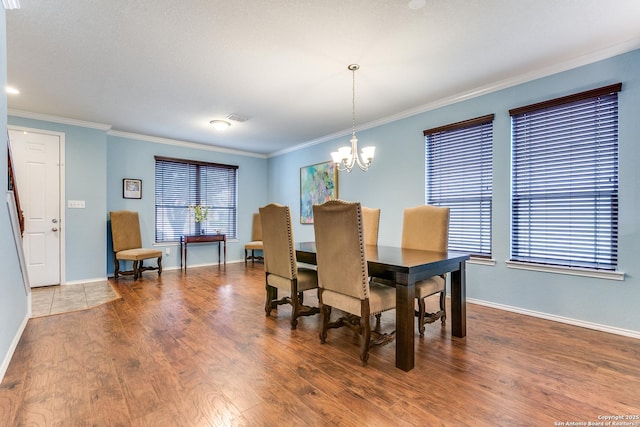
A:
(166, 68)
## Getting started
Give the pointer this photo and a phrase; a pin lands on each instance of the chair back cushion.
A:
(277, 241)
(125, 230)
(256, 228)
(341, 259)
(370, 223)
(426, 227)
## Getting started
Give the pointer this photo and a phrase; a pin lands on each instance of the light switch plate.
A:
(75, 204)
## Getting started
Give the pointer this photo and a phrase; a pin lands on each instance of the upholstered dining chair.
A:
(343, 278)
(426, 227)
(256, 241)
(127, 245)
(281, 266)
(370, 223)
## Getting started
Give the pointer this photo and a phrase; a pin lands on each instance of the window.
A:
(565, 181)
(184, 183)
(459, 167)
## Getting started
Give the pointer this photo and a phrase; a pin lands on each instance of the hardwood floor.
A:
(195, 349)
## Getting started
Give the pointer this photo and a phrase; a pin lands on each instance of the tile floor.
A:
(61, 299)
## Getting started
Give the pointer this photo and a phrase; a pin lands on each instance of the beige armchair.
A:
(370, 223)
(281, 266)
(427, 227)
(256, 241)
(343, 278)
(127, 245)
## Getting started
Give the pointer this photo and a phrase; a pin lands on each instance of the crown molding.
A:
(184, 144)
(560, 67)
(107, 128)
(57, 119)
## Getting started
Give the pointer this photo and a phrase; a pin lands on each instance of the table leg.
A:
(405, 326)
(181, 249)
(458, 302)
(185, 256)
(225, 252)
(219, 253)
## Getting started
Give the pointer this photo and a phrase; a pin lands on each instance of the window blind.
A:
(565, 181)
(459, 167)
(184, 183)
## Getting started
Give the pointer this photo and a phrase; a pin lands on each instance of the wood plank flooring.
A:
(195, 349)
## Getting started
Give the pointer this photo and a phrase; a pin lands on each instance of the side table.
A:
(202, 238)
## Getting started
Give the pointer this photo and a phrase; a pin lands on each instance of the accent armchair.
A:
(370, 223)
(343, 277)
(256, 241)
(426, 227)
(127, 245)
(281, 266)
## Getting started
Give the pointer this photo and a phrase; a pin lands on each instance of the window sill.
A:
(584, 272)
(481, 261)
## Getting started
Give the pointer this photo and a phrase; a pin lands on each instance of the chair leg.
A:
(253, 257)
(443, 308)
(325, 314)
(246, 254)
(295, 307)
(116, 267)
(159, 265)
(365, 339)
(272, 295)
(136, 270)
(421, 315)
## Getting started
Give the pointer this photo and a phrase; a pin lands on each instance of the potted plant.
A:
(200, 214)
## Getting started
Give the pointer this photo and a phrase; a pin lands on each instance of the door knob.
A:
(54, 229)
(55, 221)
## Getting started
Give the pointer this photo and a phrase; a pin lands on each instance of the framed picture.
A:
(318, 183)
(132, 188)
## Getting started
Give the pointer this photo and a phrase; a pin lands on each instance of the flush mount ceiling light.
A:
(417, 4)
(11, 4)
(220, 124)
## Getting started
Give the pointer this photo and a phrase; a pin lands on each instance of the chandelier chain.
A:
(353, 101)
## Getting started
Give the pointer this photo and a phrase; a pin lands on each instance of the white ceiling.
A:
(165, 68)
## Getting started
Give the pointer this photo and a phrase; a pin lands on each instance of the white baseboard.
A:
(560, 319)
(14, 344)
(177, 267)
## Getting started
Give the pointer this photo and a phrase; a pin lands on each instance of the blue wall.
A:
(85, 172)
(14, 302)
(396, 181)
(134, 158)
(96, 161)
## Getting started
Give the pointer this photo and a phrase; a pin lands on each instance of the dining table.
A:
(402, 268)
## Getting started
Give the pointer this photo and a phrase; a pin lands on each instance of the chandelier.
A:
(347, 157)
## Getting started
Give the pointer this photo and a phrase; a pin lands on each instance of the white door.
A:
(37, 169)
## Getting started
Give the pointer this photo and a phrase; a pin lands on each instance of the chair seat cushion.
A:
(430, 286)
(254, 246)
(138, 254)
(381, 298)
(307, 279)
